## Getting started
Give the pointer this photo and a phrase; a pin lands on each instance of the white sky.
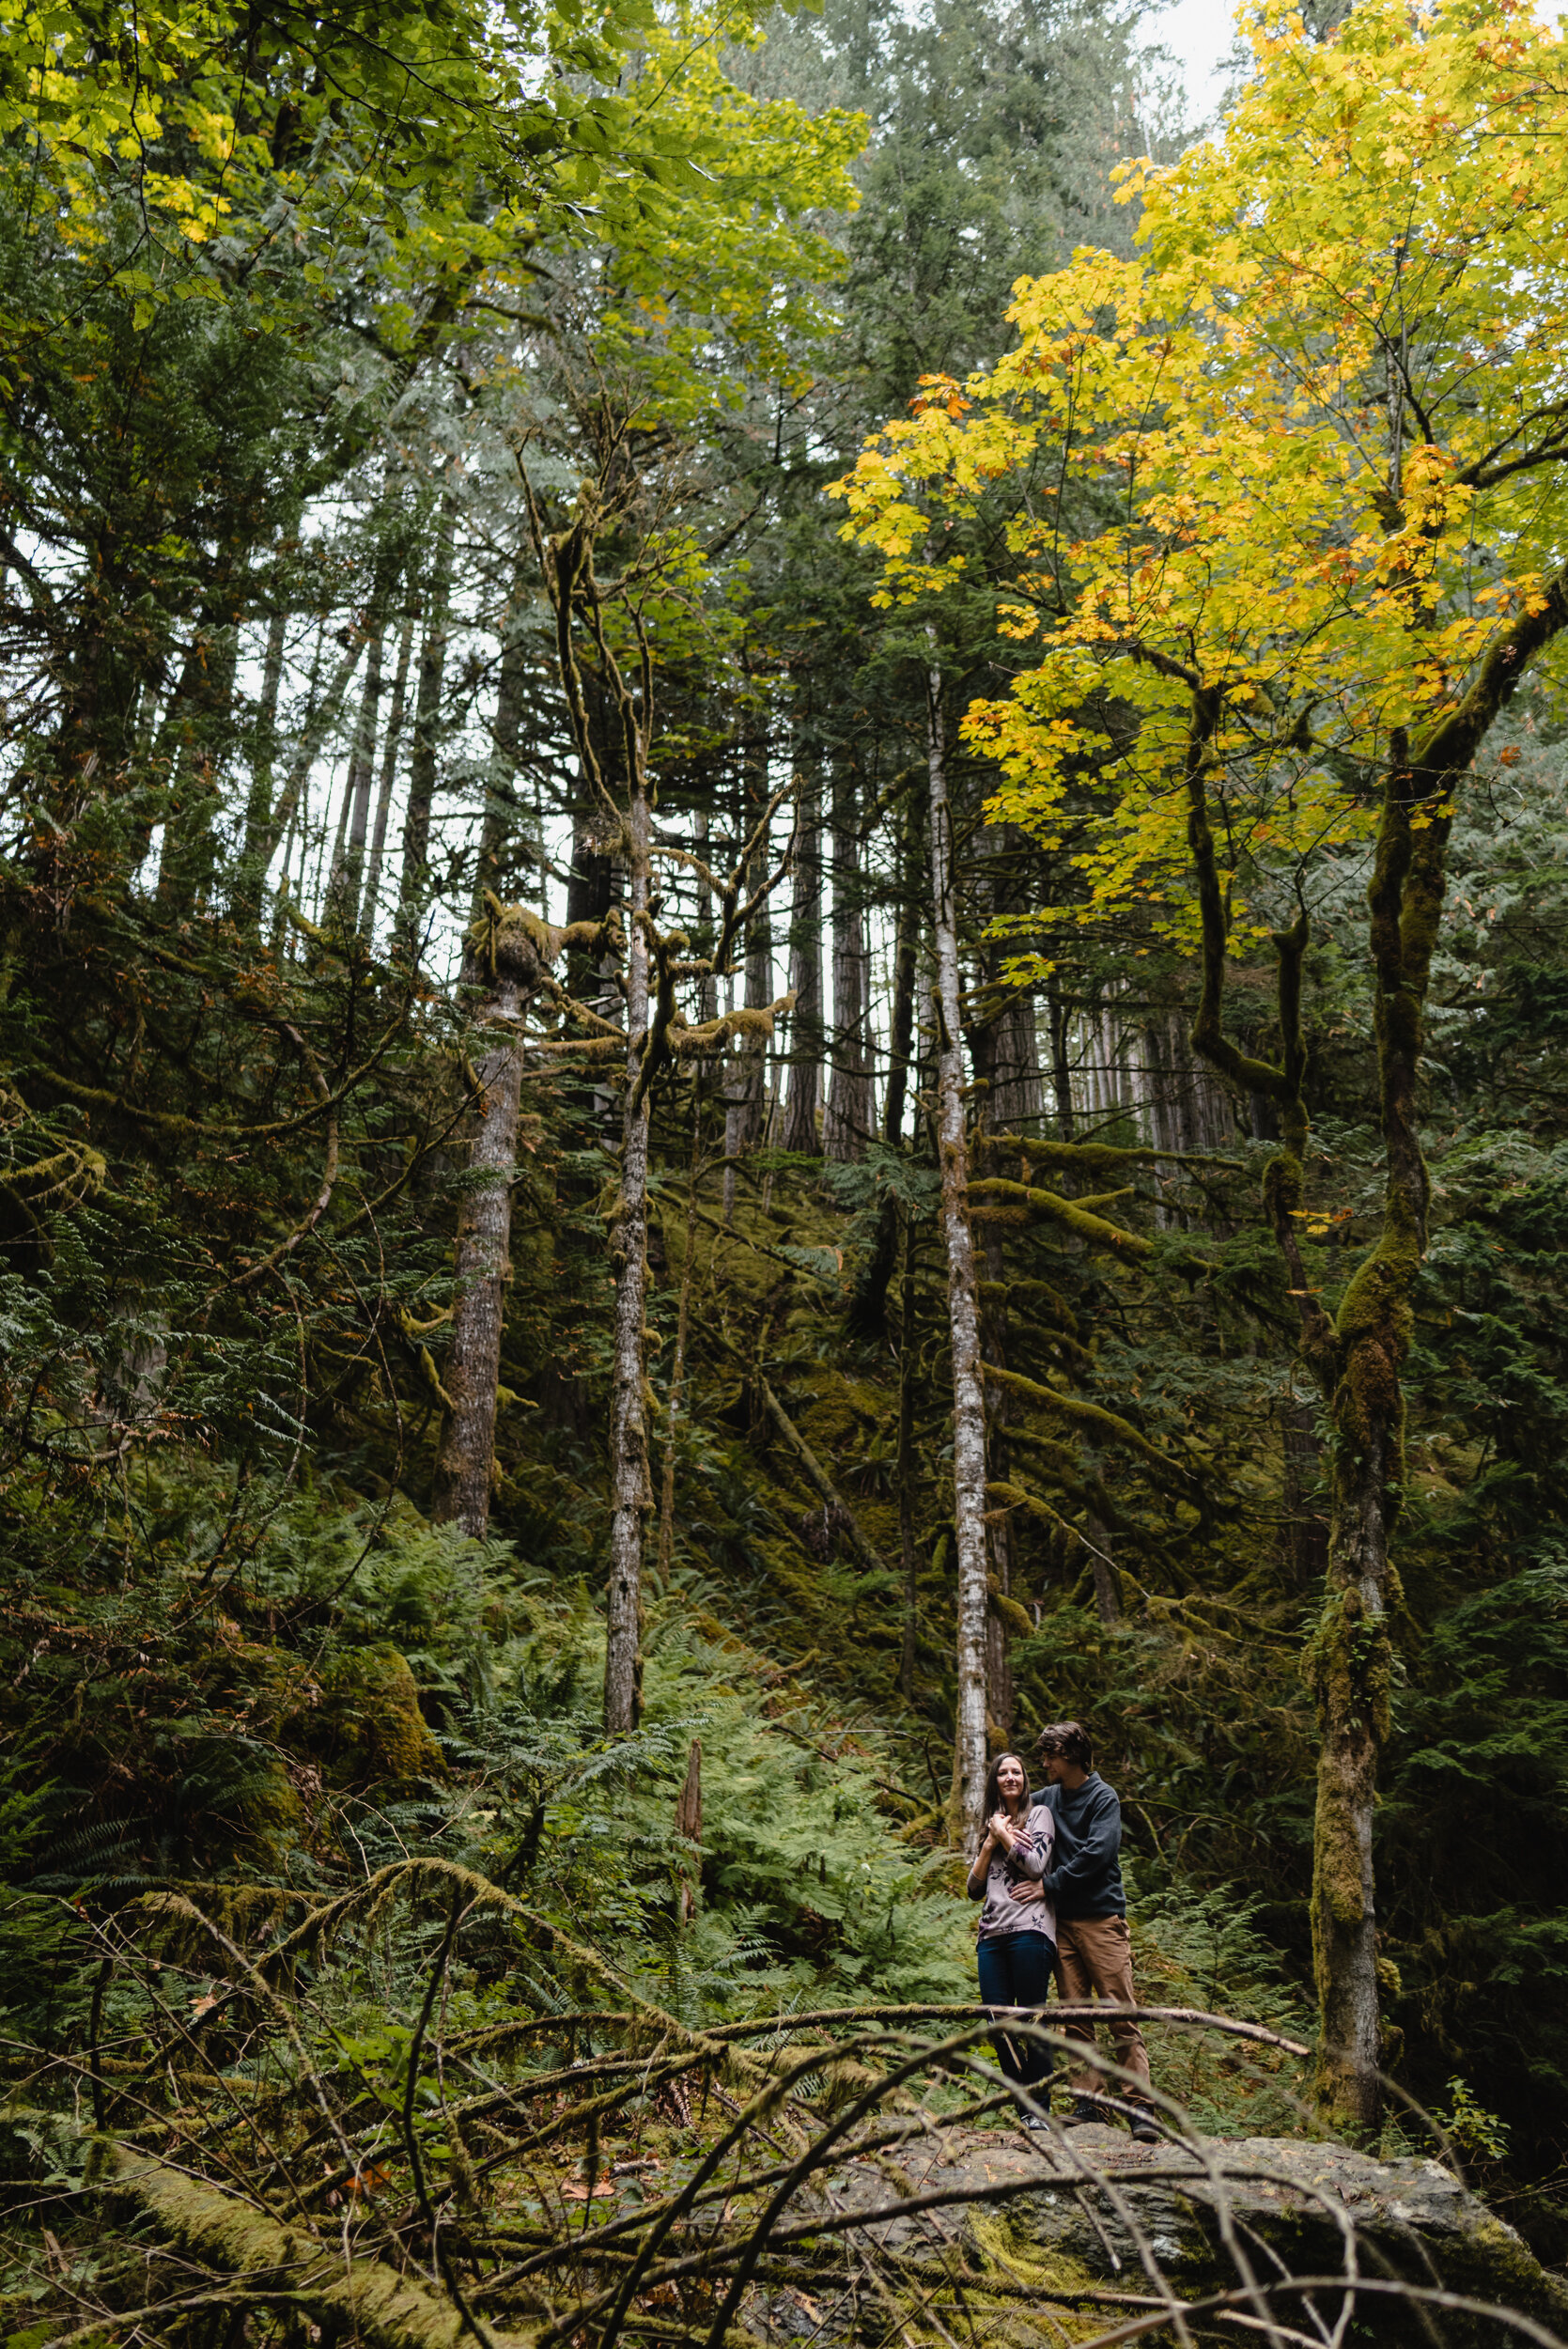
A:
(1198, 33)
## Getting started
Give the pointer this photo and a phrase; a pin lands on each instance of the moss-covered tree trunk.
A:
(507, 951)
(970, 1759)
(1350, 1650)
(625, 708)
(201, 729)
(1351, 1654)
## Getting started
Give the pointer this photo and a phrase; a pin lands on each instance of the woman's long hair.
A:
(993, 1786)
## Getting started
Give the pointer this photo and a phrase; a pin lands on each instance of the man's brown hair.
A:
(1067, 1741)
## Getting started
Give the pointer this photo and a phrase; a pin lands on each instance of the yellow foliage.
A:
(1310, 450)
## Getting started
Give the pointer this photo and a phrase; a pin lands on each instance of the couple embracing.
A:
(1048, 1873)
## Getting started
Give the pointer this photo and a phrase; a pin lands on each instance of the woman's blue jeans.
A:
(1015, 1970)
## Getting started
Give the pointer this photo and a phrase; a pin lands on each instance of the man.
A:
(1092, 1951)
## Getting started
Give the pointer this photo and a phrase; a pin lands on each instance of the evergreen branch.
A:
(97, 1096)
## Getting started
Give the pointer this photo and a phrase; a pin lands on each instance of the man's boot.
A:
(1040, 2095)
(1084, 2108)
(1145, 2126)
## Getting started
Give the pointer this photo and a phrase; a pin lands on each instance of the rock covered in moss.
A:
(371, 1716)
(1041, 2238)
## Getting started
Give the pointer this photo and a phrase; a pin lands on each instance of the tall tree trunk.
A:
(280, 902)
(993, 1338)
(1005, 1054)
(413, 894)
(1360, 1357)
(806, 1039)
(204, 722)
(498, 825)
(258, 804)
(1352, 1653)
(1015, 1100)
(591, 874)
(1102, 1570)
(982, 1038)
(253, 870)
(324, 881)
(1303, 1492)
(707, 987)
(465, 1460)
(630, 1491)
(746, 1074)
(904, 963)
(1060, 1062)
(908, 1558)
(389, 777)
(320, 716)
(1350, 1667)
(566, 560)
(1356, 1357)
(849, 1122)
(683, 1328)
(970, 1758)
(343, 888)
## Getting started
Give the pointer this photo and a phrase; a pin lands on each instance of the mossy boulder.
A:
(370, 1722)
(1047, 2238)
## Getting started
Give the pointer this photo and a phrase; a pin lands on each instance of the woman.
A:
(1018, 1937)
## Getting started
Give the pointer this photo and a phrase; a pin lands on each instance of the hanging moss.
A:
(1377, 1304)
(1348, 1664)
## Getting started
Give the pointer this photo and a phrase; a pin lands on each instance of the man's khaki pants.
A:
(1094, 1957)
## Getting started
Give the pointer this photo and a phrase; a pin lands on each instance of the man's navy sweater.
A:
(1086, 1880)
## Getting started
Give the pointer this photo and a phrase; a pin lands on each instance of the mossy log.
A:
(243, 2243)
